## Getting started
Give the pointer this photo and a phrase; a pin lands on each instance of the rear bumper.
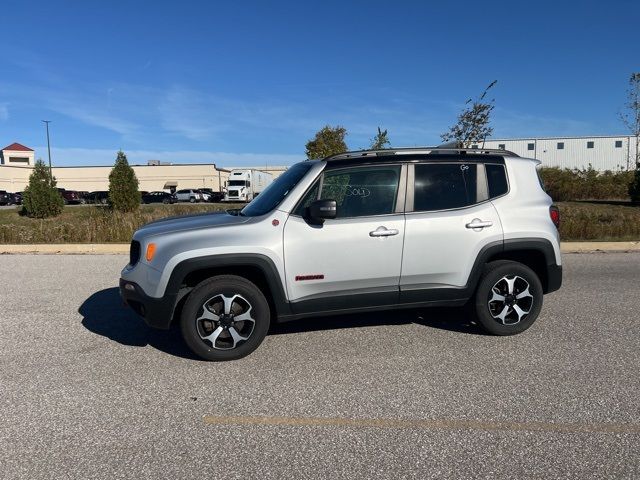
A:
(156, 312)
(554, 278)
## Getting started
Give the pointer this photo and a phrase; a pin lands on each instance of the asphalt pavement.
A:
(87, 390)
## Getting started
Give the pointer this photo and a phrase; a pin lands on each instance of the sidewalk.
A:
(123, 248)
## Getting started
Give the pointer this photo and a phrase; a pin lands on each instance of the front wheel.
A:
(225, 318)
(509, 298)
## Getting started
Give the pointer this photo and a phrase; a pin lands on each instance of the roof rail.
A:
(419, 150)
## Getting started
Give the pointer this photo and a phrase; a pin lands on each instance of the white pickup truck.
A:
(246, 184)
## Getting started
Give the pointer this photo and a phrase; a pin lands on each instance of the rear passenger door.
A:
(449, 220)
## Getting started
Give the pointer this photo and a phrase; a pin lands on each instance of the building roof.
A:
(18, 147)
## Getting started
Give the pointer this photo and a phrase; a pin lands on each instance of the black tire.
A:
(211, 291)
(494, 275)
(192, 199)
(166, 201)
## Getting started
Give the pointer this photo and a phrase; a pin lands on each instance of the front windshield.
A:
(237, 183)
(271, 197)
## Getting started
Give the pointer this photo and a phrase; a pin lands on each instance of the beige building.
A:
(17, 155)
(150, 177)
(18, 161)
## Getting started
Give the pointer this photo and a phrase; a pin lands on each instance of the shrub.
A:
(634, 186)
(41, 199)
(586, 184)
(123, 186)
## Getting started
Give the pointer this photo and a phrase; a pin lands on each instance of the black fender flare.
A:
(261, 262)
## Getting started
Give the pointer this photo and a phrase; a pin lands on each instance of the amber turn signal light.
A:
(151, 251)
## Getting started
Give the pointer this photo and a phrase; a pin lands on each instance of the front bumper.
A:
(157, 312)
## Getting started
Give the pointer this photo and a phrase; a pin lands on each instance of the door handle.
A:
(383, 232)
(477, 223)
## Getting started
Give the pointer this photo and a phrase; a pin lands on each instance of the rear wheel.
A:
(509, 298)
(225, 318)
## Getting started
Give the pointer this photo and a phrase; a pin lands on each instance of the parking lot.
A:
(88, 391)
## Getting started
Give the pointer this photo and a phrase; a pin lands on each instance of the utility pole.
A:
(47, 122)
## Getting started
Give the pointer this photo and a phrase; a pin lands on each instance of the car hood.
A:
(189, 222)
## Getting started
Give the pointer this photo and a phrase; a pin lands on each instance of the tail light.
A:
(554, 213)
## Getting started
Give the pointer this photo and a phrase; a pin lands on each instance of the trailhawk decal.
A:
(300, 278)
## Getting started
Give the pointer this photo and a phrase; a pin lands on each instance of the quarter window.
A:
(497, 180)
(358, 192)
(444, 186)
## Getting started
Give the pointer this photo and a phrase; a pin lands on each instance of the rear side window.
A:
(444, 186)
(497, 180)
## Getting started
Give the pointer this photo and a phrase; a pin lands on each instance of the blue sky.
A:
(241, 82)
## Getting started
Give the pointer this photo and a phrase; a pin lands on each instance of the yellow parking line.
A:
(425, 424)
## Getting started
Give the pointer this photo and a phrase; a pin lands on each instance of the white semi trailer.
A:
(246, 184)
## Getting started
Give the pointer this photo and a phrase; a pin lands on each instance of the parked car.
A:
(213, 196)
(204, 194)
(16, 198)
(5, 198)
(99, 197)
(159, 197)
(69, 196)
(358, 231)
(189, 195)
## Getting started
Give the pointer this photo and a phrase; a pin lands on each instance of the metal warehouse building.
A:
(615, 152)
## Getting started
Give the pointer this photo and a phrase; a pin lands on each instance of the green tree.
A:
(380, 141)
(123, 186)
(631, 119)
(328, 141)
(41, 199)
(474, 123)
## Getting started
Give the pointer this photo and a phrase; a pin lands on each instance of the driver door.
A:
(355, 259)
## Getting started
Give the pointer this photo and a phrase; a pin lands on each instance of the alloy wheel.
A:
(511, 300)
(225, 322)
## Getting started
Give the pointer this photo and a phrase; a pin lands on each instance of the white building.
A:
(615, 152)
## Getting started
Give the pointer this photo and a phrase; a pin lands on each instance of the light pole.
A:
(47, 122)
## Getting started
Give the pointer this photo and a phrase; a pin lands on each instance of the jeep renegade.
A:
(359, 231)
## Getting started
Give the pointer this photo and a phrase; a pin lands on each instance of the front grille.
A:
(233, 193)
(134, 252)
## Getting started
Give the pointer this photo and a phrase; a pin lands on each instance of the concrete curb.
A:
(67, 249)
(123, 248)
(592, 247)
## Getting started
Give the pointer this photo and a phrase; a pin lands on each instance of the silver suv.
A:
(360, 231)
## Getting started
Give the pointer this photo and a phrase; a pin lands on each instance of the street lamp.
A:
(47, 122)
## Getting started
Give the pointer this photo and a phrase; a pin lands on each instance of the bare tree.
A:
(380, 141)
(473, 125)
(631, 115)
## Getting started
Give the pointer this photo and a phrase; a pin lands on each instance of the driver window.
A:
(362, 191)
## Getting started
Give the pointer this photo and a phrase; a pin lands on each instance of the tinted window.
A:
(497, 180)
(618, 143)
(444, 186)
(530, 146)
(560, 145)
(362, 191)
(271, 197)
(501, 146)
(589, 144)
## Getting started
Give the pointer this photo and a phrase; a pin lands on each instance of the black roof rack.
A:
(419, 150)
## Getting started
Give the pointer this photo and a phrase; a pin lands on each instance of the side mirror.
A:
(322, 209)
